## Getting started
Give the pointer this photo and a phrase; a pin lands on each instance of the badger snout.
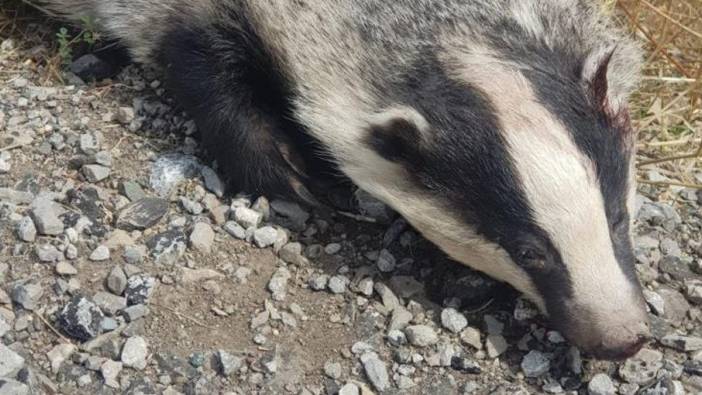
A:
(610, 336)
(621, 342)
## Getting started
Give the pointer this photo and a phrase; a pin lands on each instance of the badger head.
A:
(524, 173)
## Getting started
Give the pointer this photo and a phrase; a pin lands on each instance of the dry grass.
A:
(667, 109)
(668, 106)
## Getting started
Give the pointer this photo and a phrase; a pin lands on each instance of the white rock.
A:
(535, 363)
(10, 362)
(134, 353)
(110, 371)
(265, 236)
(247, 217)
(453, 320)
(202, 237)
(101, 253)
(421, 335)
(59, 354)
(601, 384)
(375, 371)
(26, 230)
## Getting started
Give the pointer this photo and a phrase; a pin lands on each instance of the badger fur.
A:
(498, 128)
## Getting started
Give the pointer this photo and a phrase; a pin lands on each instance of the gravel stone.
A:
(134, 353)
(101, 253)
(421, 335)
(296, 218)
(386, 261)
(48, 253)
(693, 291)
(170, 170)
(66, 269)
(26, 231)
(117, 280)
(27, 295)
(535, 364)
(202, 237)
(676, 306)
(265, 237)
(110, 371)
(655, 301)
(642, 368)
(397, 337)
(59, 354)
(389, 299)
(349, 389)
(319, 282)
(12, 387)
(212, 181)
(168, 247)
(246, 217)
(375, 371)
(495, 345)
(372, 207)
(133, 313)
(292, 253)
(399, 319)
(337, 284)
(139, 289)
(601, 384)
(465, 365)
(228, 363)
(10, 362)
(96, 173)
(80, 319)
(235, 230)
(471, 337)
(132, 191)
(452, 320)
(332, 370)
(142, 214)
(45, 214)
(682, 343)
(109, 303)
(278, 283)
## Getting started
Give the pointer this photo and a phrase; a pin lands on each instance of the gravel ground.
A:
(125, 269)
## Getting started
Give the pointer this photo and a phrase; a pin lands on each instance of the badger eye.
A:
(531, 258)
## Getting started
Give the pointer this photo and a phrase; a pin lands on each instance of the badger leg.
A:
(241, 104)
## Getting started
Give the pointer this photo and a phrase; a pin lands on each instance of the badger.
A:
(498, 128)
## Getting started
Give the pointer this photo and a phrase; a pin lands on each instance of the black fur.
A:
(224, 76)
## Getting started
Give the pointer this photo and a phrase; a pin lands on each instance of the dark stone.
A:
(676, 268)
(142, 214)
(90, 67)
(175, 366)
(80, 319)
(139, 289)
(167, 247)
(693, 367)
(465, 365)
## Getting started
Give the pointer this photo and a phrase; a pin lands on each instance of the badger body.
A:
(498, 128)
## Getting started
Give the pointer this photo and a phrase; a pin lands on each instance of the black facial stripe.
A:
(467, 163)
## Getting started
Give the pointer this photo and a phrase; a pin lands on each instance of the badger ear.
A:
(398, 134)
(595, 78)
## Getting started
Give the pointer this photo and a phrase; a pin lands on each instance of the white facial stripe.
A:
(389, 182)
(560, 184)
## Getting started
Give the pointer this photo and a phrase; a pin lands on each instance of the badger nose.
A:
(627, 346)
